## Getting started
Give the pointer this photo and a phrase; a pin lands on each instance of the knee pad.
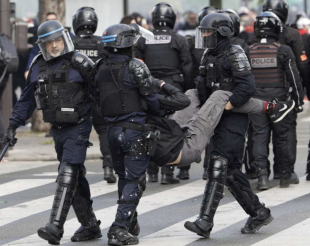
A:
(67, 174)
(217, 169)
(241, 195)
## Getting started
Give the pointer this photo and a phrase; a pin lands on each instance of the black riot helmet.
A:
(267, 25)
(119, 36)
(206, 11)
(210, 27)
(279, 7)
(163, 13)
(85, 19)
(53, 40)
(235, 19)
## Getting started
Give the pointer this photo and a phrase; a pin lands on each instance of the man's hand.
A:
(229, 106)
(9, 136)
(158, 83)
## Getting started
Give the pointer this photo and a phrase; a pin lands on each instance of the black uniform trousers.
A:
(281, 132)
(2, 88)
(130, 165)
(71, 144)
(228, 141)
(101, 127)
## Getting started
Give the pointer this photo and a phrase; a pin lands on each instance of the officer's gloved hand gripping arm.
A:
(173, 99)
(292, 75)
(237, 61)
(85, 66)
(142, 76)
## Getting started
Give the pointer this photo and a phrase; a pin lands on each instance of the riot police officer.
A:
(274, 69)
(58, 84)
(84, 25)
(226, 67)
(291, 37)
(168, 58)
(123, 83)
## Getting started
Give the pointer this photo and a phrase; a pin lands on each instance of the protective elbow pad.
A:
(239, 61)
(142, 76)
(85, 66)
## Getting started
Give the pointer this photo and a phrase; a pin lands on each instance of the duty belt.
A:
(133, 126)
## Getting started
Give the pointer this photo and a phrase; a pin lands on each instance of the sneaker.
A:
(89, 232)
(183, 174)
(120, 236)
(51, 233)
(201, 227)
(280, 110)
(253, 224)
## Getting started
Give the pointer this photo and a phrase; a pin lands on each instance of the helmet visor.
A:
(206, 38)
(55, 45)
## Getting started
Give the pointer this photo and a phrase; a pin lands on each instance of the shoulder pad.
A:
(136, 64)
(234, 49)
(35, 59)
(98, 63)
(189, 40)
(78, 56)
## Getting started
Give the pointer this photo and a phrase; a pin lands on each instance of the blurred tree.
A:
(216, 3)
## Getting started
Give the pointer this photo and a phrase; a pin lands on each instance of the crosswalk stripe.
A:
(26, 209)
(295, 235)
(21, 185)
(231, 213)
(46, 174)
(148, 203)
(11, 167)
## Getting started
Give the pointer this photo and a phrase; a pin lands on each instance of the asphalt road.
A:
(27, 189)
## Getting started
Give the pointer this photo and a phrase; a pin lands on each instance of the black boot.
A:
(66, 186)
(308, 177)
(183, 174)
(212, 195)
(262, 175)
(285, 179)
(89, 228)
(253, 224)
(205, 174)
(295, 179)
(120, 236)
(153, 178)
(134, 227)
(169, 179)
(108, 175)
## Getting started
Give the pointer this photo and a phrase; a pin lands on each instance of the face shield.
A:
(206, 38)
(55, 44)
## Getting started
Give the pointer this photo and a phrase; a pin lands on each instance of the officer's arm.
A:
(139, 48)
(25, 106)
(85, 66)
(292, 75)
(173, 99)
(186, 63)
(300, 55)
(142, 76)
(238, 62)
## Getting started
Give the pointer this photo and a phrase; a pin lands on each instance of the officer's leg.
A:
(281, 133)
(249, 169)
(292, 121)
(152, 172)
(240, 188)
(261, 128)
(101, 126)
(66, 185)
(206, 162)
(167, 176)
(308, 163)
(212, 195)
(82, 205)
(125, 228)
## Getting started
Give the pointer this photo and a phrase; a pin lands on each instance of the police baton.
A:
(5, 149)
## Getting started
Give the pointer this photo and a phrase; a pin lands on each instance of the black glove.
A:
(157, 83)
(9, 136)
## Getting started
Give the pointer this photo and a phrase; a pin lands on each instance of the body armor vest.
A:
(217, 77)
(266, 68)
(115, 98)
(160, 56)
(61, 101)
(88, 45)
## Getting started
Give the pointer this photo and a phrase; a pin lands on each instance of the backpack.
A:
(8, 54)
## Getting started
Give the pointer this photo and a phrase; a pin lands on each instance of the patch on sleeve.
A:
(303, 57)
